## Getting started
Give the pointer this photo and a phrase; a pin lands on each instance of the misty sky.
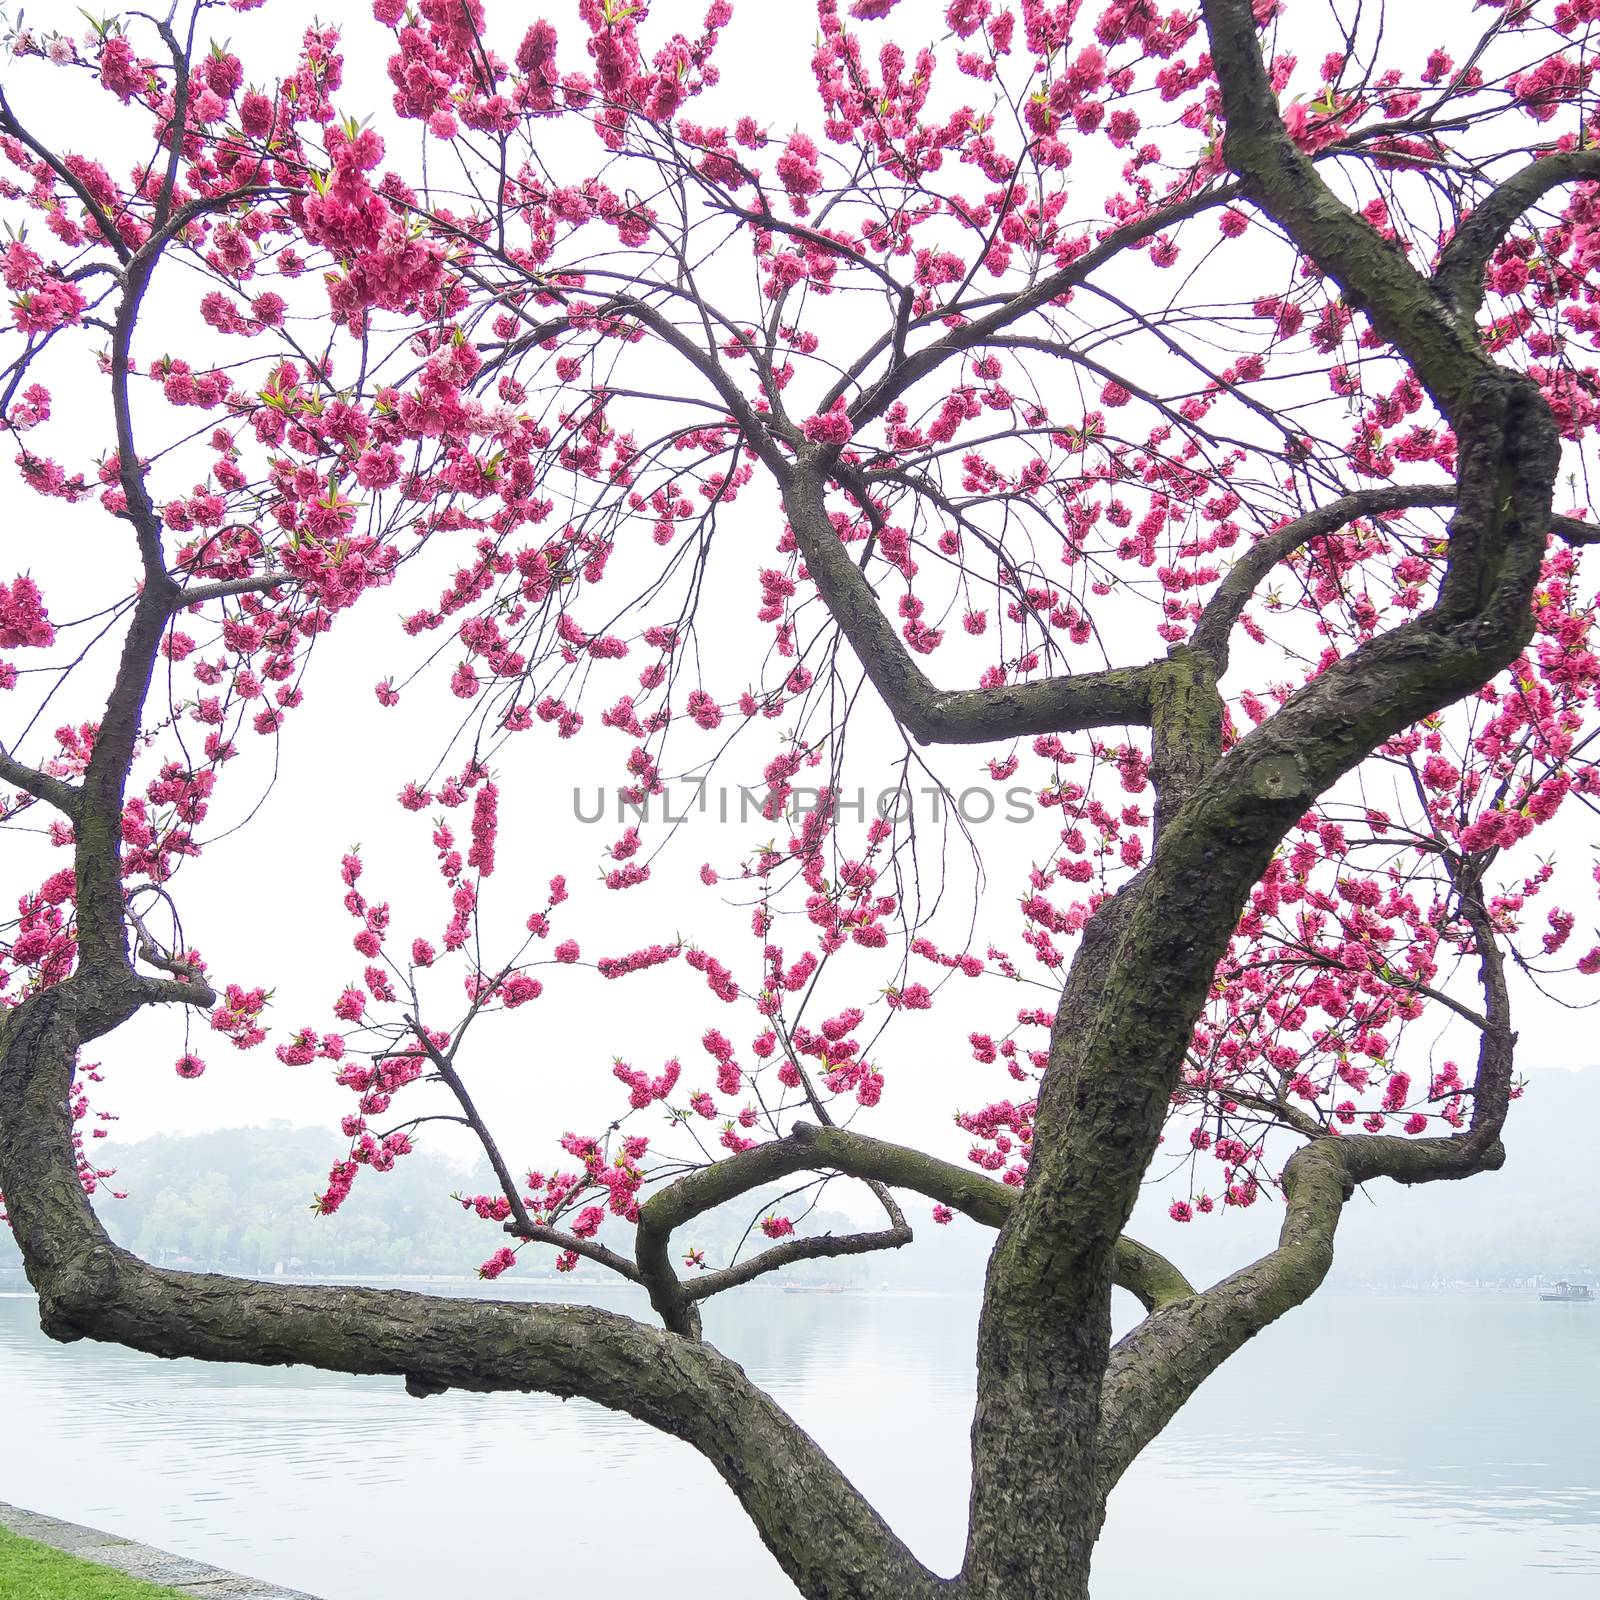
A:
(264, 902)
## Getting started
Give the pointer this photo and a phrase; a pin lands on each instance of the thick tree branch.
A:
(1186, 730)
(1459, 274)
(823, 1534)
(175, 991)
(1155, 1369)
(1158, 1365)
(1373, 273)
(40, 785)
(102, 929)
(1148, 1276)
(1062, 704)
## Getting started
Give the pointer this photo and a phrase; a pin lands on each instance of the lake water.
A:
(1419, 1446)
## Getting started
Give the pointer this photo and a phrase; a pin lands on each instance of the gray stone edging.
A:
(140, 1560)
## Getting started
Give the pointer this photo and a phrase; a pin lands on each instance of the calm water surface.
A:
(1416, 1446)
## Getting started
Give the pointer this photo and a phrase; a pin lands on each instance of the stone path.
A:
(140, 1561)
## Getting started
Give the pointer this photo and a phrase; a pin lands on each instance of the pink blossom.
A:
(831, 427)
(497, 1263)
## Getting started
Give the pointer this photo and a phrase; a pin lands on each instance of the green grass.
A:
(30, 1571)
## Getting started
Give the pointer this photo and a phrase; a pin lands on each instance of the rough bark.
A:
(1146, 961)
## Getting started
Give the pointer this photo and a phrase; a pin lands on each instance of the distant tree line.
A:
(239, 1199)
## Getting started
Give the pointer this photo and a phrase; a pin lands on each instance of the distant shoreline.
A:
(14, 1286)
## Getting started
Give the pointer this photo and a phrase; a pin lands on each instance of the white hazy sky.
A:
(263, 904)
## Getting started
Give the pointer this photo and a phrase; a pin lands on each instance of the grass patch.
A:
(30, 1571)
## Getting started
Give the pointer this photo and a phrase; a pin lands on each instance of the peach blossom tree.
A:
(1188, 408)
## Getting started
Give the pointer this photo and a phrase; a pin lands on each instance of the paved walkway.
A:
(140, 1561)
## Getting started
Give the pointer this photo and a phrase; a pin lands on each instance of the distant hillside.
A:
(239, 1200)
(1539, 1216)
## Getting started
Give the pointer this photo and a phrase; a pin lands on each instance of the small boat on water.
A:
(1569, 1293)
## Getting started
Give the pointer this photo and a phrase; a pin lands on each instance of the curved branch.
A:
(760, 437)
(102, 929)
(1157, 1366)
(792, 1251)
(1149, 1276)
(1223, 609)
(1459, 274)
(824, 1535)
(1061, 704)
